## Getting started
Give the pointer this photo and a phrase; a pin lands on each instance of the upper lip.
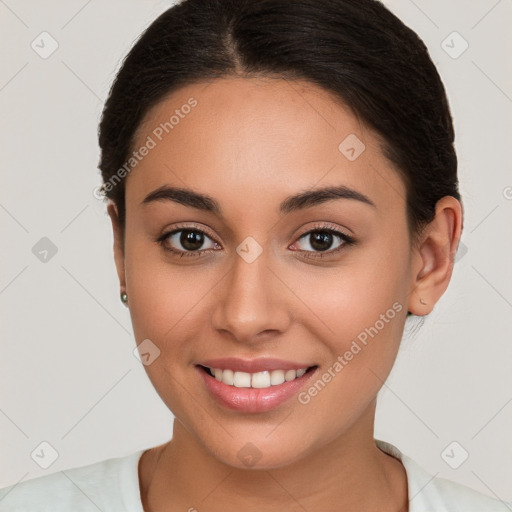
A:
(253, 365)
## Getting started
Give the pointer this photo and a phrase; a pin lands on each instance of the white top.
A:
(112, 485)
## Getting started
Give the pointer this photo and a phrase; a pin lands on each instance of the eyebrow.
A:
(300, 201)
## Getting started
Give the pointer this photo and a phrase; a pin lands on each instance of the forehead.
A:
(253, 136)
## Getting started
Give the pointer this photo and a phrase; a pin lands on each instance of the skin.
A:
(250, 143)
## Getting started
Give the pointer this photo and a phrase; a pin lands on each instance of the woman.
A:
(282, 186)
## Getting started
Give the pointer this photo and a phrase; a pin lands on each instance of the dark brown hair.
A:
(356, 49)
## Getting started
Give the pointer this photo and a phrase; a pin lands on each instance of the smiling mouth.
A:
(259, 380)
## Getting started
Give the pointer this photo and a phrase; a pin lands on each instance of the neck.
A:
(349, 473)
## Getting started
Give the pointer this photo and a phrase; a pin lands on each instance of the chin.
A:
(252, 451)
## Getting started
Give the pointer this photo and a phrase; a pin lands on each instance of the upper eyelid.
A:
(324, 227)
(192, 227)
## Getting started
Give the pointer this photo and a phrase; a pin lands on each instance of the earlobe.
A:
(118, 244)
(435, 256)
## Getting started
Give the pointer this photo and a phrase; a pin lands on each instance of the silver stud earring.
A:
(124, 298)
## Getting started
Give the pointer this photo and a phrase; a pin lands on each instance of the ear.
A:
(118, 244)
(435, 255)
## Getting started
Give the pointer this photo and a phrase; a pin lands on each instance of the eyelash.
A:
(347, 241)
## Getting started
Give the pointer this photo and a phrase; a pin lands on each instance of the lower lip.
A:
(253, 399)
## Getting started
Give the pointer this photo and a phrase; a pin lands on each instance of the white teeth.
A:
(242, 380)
(260, 380)
(277, 377)
(227, 377)
(290, 375)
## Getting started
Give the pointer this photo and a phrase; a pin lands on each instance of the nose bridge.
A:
(249, 303)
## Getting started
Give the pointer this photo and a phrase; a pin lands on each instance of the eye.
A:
(321, 238)
(187, 241)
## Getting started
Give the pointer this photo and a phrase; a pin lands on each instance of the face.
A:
(320, 282)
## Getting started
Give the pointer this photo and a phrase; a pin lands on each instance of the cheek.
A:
(362, 308)
(362, 329)
(165, 299)
(362, 322)
(162, 303)
(353, 296)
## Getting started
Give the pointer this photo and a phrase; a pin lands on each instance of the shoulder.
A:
(108, 485)
(456, 497)
(428, 493)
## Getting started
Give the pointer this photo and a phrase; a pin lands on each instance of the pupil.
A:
(321, 240)
(191, 240)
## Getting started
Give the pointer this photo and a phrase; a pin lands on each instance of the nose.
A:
(252, 302)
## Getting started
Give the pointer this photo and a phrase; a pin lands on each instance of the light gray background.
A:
(68, 375)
